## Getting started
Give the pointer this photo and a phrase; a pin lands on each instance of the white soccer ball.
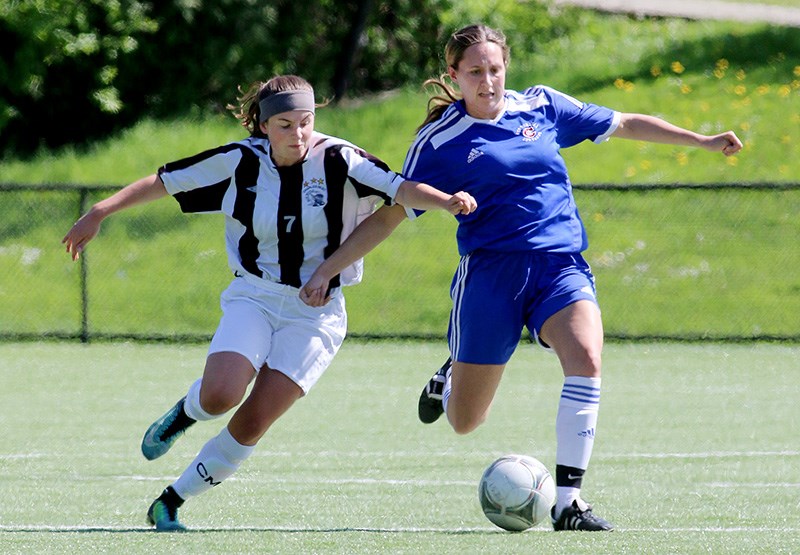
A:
(516, 492)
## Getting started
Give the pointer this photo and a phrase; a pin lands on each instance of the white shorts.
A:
(267, 323)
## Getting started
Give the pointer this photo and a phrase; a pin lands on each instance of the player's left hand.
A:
(313, 293)
(727, 143)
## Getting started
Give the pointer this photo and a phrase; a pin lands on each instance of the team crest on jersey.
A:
(315, 193)
(529, 132)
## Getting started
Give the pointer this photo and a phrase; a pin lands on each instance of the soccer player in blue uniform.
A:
(521, 263)
(290, 196)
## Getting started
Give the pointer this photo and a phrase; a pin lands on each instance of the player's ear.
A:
(451, 71)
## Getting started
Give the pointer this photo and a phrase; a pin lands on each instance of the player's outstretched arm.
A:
(86, 228)
(422, 196)
(642, 127)
(365, 237)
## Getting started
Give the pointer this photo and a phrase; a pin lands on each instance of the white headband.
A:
(285, 101)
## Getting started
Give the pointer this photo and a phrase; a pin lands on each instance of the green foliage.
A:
(65, 67)
(82, 70)
(705, 268)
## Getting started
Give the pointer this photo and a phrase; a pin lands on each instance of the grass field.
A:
(696, 453)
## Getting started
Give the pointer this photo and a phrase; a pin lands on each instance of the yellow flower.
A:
(677, 67)
(741, 75)
(682, 158)
(655, 71)
(645, 165)
(686, 89)
(796, 71)
(732, 160)
(763, 89)
(630, 171)
(598, 217)
(745, 126)
(722, 64)
(784, 91)
(719, 73)
(740, 90)
(705, 106)
(786, 139)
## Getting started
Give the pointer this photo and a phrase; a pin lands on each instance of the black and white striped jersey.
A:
(282, 222)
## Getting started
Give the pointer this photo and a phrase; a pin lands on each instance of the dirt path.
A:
(694, 9)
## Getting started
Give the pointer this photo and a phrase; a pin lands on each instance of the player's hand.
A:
(727, 143)
(461, 203)
(84, 230)
(313, 293)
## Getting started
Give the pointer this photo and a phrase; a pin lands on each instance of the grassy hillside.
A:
(701, 262)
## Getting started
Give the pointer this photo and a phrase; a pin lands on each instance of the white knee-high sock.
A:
(192, 406)
(575, 429)
(219, 458)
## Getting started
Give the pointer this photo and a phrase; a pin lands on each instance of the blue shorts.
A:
(495, 295)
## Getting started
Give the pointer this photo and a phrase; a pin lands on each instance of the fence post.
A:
(84, 272)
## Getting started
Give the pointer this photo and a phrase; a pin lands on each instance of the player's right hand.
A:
(83, 231)
(462, 203)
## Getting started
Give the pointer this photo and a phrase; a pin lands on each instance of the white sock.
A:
(192, 406)
(575, 429)
(219, 458)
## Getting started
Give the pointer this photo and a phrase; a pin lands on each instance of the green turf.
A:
(696, 453)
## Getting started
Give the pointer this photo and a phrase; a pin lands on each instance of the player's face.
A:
(481, 76)
(288, 134)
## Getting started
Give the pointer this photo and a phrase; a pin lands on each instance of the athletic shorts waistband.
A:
(280, 288)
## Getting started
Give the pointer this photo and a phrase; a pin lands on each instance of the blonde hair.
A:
(247, 110)
(453, 54)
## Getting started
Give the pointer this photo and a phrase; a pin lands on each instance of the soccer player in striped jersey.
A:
(521, 263)
(290, 196)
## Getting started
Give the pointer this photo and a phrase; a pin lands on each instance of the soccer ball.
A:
(516, 492)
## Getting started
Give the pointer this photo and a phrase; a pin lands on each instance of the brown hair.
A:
(453, 54)
(247, 110)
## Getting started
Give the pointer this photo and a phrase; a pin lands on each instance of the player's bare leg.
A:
(224, 383)
(272, 395)
(472, 389)
(576, 335)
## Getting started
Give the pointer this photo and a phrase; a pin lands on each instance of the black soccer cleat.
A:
(573, 518)
(430, 406)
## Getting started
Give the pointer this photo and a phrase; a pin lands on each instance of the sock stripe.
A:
(584, 394)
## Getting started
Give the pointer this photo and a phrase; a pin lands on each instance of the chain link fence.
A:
(676, 262)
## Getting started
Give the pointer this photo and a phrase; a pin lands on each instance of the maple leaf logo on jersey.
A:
(315, 193)
(529, 132)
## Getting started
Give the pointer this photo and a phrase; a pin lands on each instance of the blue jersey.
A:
(513, 168)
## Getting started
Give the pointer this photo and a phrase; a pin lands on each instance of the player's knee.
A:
(586, 362)
(218, 401)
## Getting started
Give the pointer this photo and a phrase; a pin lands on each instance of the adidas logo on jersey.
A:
(473, 154)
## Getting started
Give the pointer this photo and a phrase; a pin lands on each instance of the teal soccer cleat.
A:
(165, 431)
(164, 515)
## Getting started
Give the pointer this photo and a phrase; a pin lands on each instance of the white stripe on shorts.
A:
(455, 314)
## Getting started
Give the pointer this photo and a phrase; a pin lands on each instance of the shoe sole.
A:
(428, 410)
